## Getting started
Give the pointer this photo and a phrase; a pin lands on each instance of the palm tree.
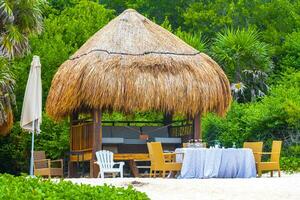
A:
(7, 97)
(245, 60)
(19, 19)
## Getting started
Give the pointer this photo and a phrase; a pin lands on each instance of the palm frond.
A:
(7, 97)
(13, 42)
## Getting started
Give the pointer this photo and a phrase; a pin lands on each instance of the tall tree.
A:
(245, 60)
(19, 19)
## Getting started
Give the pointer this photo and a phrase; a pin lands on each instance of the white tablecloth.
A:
(216, 163)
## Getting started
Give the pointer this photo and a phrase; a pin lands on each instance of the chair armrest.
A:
(119, 163)
(266, 153)
(47, 161)
(170, 157)
(58, 161)
(42, 160)
(169, 154)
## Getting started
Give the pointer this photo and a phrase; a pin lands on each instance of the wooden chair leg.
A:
(279, 175)
(271, 173)
(259, 173)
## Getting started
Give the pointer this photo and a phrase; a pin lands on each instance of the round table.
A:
(216, 163)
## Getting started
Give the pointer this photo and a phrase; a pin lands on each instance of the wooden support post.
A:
(168, 117)
(133, 168)
(97, 141)
(197, 127)
(71, 166)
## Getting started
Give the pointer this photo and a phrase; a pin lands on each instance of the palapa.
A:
(133, 64)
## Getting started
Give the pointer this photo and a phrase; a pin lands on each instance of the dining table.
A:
(216, 163)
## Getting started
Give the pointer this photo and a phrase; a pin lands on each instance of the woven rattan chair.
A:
(159, 163)
(47, 167)
(273, 164)
(256, 147)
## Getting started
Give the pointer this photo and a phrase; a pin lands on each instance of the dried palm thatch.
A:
(133, 64)
(6, 126)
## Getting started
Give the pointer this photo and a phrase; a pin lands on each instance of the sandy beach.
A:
(265, 188)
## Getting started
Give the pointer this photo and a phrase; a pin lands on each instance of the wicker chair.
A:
(47, 167)
(274, 163)
(159, 160)
(256, 147)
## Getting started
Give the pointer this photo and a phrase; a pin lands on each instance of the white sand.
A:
(265, 188)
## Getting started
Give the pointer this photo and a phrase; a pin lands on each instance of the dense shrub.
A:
(15, 147)
(276, 116)
(35, 188)
(14, 150)
(290, 164)
(291, 49)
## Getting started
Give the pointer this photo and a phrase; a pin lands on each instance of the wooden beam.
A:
(97, 141)
(71, 167)
(197, 127)
(168, 117)
(97, 136)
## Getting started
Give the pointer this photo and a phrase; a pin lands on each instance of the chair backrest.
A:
(105, 159)
(256, 147)
(185, 145)
(156, 154)
(276, 149)
(40, 155)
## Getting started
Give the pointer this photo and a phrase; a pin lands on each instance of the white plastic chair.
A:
(105, 160)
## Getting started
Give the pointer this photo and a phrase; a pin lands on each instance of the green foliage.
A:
(193, 39)
(154, 9)
(227, 130)
(254, 41)
(213, 16)
(290, 160)
(240, 50)
(54, 138)
(14, 151)
(36, 188)
(276, 116)
(293, 150)
(291, 49)
(15, 147)
(7, 96)
(63, 34)
(290, 164)
(244, 59)
(62, 4)
(18, 20)
(276, 18)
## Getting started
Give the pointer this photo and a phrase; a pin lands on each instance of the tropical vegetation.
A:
(22, 187)
(255, 42)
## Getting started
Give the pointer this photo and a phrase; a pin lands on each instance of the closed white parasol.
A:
(31, 117)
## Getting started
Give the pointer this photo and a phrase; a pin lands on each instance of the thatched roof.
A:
(132, 64)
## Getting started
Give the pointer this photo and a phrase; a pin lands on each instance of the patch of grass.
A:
(22, 187)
